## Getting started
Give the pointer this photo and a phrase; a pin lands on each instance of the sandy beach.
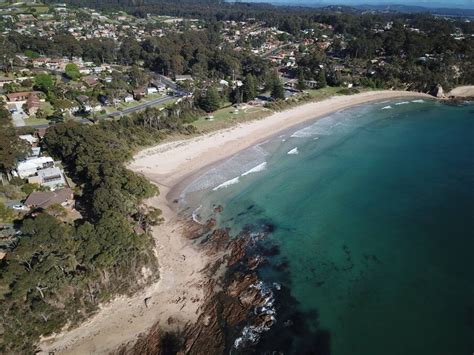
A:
(176, 298)
(462, 91)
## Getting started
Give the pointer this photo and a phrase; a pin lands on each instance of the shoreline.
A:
(184, 159)
(177, 297)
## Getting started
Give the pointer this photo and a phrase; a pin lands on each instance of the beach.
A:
(176, 298)
(462, 91)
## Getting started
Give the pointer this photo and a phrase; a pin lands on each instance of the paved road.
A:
(126, 111)
(139, 107)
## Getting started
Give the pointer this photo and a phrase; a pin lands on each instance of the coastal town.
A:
(85, 88)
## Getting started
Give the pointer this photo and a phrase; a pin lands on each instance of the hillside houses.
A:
(41, 170)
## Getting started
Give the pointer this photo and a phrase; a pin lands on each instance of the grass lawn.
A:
(124, 105)
(32, 121)
(47, 108)
(320, 94)
(227, 116)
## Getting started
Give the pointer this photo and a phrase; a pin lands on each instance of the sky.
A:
(468, 4)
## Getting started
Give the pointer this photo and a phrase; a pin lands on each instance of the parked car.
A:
(20, 207)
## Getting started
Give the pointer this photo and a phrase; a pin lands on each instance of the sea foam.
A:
(402, 103)
(387, 107)
(293, 151)
(420, 101)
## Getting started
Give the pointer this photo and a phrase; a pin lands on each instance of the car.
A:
(20, 207)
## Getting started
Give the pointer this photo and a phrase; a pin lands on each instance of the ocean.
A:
(371, 213)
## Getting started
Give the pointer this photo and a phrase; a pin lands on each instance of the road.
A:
(139, 107)
(126, 111)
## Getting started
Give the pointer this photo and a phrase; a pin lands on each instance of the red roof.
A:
(22, 95)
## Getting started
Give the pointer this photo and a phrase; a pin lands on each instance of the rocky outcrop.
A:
(238, 307)
(438, 91)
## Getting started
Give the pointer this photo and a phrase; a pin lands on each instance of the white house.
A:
(30, 167)
(29, 138)
(128, 98)
(151, 90)
(50, 177)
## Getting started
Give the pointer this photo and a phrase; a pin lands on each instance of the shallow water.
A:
(372, 210)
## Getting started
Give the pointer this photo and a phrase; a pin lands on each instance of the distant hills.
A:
(441, 8)
(400, 9)
(419, 9)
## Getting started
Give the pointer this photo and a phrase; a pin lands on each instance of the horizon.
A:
(464, 4)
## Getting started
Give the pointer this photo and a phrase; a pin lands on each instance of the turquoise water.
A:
(372, 229)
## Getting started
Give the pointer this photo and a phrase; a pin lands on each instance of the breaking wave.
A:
(402, 103)
(256, 169)
(293, 151)
(251, 333)
(227, 183)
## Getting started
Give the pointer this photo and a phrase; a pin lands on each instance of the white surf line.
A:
(256, 169)
(227, 183)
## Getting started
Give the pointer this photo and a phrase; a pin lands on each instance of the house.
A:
(312, 84)
(29, 138)
(21, 96)
(152, 90)
(30, 167)
(158, 85)
(84, 101)
(32, 104)
(51, 177)
(5, 80)
(45, 199)
(128, 98)
(90, 80)
(40, 62)
(183, 78)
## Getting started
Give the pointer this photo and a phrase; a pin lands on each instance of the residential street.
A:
(139, 107)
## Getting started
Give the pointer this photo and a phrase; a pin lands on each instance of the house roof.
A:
(90, 80)
(17, 95)
(32, 101)
(184, 77)
(45, 199)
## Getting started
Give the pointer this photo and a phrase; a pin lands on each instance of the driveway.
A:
(19, 116)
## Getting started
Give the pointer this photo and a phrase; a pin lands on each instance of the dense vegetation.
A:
(58, 272)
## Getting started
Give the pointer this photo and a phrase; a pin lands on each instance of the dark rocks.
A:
(237, 306)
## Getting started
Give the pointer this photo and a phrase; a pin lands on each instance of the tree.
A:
(6, 214)
(12, 148)
(301, 85)
(322, 83)
(249, 88)
(44, 82)
(72, 71)
(56, 116)
(137, 77)
(278, 91)
(210, 101)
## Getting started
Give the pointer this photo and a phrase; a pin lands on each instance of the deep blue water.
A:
(373, 236)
